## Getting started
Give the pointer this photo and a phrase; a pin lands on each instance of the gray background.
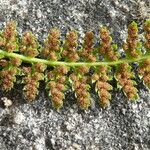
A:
(38, 126)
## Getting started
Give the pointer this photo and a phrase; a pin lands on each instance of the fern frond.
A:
(62, 63)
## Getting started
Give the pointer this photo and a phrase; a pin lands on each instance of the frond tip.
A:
(63, 65)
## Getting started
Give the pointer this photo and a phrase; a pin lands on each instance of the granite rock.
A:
(37, 126)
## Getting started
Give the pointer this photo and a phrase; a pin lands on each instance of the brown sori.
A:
(8, 38)
(102, 87)
(88, 48)
(144, 67)
(70, 47)
(132, 45)
(52, 45)
(29, 45)
(107, 49)
(56, 85)
(80, 86)
(124, 75)
(31, 80)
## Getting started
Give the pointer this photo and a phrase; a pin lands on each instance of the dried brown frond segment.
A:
(31, 80)
(8, 38)
(9, 72)
(147, 35)
(81, 87)
(107, 49)
(70, 46)
(132, 45)
(144, 71)
(102, 86)
(88, 48)
(29, 44)
(52, 45)
(124, 75)
(56, 85)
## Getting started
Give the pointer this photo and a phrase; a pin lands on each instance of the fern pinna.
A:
(61, 64)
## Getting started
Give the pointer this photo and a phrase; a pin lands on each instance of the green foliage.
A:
(62, 65)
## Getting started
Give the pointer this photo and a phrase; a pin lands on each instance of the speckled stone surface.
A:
(37, 126)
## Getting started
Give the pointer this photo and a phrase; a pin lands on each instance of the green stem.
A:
(52, 63)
